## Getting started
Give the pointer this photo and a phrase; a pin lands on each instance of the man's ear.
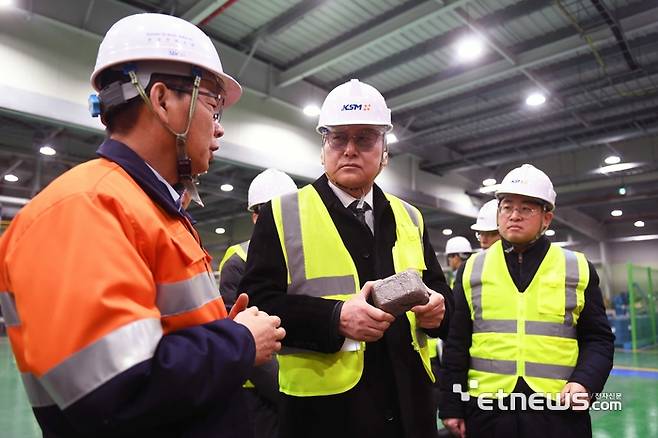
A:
(159, 96)
(385, 158)
(547, 219)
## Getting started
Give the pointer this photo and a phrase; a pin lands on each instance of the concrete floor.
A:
(635, 376)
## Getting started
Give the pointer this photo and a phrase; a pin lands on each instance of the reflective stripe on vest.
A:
(299, 283)
(506, 321)
(319, 265)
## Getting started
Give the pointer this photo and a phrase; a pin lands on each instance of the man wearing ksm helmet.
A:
(348, 369)
(529, 335)
(120, 330)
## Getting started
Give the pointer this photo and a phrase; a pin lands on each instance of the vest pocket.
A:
(188, 248)
(550, 301)
(408, 250)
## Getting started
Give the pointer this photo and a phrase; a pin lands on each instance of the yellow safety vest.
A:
(319, 265)
(240, 249)
(530, 334)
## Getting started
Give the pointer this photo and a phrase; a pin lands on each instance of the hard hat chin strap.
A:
(183, 162)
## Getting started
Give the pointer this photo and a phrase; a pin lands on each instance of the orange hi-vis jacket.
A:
(100, 277)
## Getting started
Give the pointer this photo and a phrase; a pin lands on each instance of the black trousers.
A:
(526, 423)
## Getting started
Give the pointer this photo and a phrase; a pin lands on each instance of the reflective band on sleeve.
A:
(533, 369)
(186, 295)
(292, 234)
(476, 285)
(493, 365)
(245, 246)
(36, 393)
(550, 329)
(8, 305)
(99, 362)
(494, 326)
(571, 283)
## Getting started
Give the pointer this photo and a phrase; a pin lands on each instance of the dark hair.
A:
(123, 118)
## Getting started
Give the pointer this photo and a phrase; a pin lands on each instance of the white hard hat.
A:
(486, 220)
(143, 38)
(269, 184)
(457, 245)
(527, 180)
(354, 103)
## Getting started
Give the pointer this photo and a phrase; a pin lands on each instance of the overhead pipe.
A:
(217, 11)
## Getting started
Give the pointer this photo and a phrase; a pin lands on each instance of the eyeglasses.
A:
(218, 101)
(525, 211)
(364, 141)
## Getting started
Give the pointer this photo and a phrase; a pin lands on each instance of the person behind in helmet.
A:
(348, 369)
(458, 250)
(262, 388)
(486, 226)
(268, 184)
(121, 330)
(530, 322)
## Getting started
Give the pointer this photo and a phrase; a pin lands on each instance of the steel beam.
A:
(281, 22)
(394, 25)
(638, 24)
(201, 9)
(580, 222)
(436, 43)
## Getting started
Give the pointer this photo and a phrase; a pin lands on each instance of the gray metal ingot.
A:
(400, 292)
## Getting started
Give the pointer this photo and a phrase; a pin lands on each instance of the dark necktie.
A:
(359, 213)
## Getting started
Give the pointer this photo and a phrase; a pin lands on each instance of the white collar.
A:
(346, 199)
(174, 194)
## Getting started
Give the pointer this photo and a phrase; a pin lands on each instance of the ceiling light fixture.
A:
(5, 3)
(10, 177)
(489, 189)
(616, 167)
(639, 224)
(391, 138)
(469, 48)
(447, 231)
(488, 182)
(47, 150)
(220, 230)
(612, 159)
(226, 187)
(616, 213)
(311, 110)
(622, 190)
(550, 233)
(535, 99)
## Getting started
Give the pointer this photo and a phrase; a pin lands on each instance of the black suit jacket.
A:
(394, 380)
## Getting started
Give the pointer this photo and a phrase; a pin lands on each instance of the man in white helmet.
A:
(458, 250)
(266, 185)
(530, 342)
(121, 330)
(486, 225)
(262, 388)
(348, 369)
